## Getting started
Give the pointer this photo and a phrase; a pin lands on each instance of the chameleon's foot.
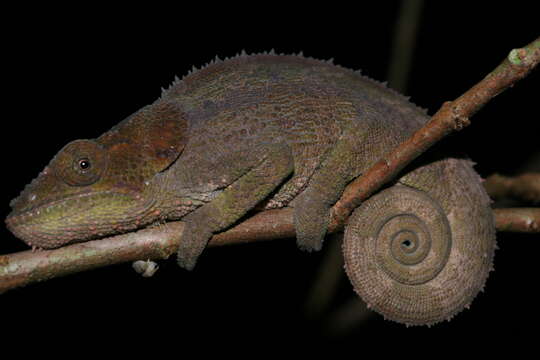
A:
(186, 262)
(194, 240)
(311, 222)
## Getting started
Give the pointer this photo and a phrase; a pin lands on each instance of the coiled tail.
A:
(420, 251)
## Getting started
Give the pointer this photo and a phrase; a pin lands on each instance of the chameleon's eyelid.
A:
(68, 162)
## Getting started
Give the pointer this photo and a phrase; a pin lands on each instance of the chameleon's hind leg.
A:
(234, 202)
(312, 206)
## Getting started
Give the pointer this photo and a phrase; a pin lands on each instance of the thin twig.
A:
(525, 220)
(23, 268)
(524, 187)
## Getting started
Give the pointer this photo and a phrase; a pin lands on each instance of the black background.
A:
(75, 72)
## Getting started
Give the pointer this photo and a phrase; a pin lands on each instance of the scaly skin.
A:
(276, 130)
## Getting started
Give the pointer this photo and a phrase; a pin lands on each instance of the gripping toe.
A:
(194, 241)
(311, 223)
(186, 262)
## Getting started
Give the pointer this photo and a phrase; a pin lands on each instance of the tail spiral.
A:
(419, 253)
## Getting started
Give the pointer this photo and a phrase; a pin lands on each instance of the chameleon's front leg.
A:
(312, 206)
(235, 201)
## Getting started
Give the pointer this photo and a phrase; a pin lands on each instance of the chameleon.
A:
(268, 131)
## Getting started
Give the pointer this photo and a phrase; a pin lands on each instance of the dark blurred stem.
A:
(403, 45)
(524, 187)
(347, 317)
(327, 279)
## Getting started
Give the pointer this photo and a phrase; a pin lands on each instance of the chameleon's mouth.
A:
(47, 225)
(33, 235)
(55, 224)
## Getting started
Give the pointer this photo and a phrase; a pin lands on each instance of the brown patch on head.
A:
(154, 136)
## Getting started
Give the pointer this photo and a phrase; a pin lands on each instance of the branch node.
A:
(516, 57)
(524, 56)
(459, 120)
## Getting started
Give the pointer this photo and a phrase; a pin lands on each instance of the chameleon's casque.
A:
(277, 131)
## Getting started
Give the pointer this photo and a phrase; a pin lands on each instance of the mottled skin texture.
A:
(264, 129)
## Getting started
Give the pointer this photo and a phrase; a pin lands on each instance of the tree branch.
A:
(160, 242)
(452, 116)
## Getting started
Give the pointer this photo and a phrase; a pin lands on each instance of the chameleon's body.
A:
(277, 131)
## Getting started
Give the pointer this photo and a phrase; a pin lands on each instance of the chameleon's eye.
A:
(81, 162)
(84, 164)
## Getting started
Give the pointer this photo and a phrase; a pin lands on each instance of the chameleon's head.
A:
(94, 188)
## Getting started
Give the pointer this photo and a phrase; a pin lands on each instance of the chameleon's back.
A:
(308, 104)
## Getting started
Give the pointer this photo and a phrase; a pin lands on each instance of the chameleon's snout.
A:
(34, 216)
(27, 227)
(26, 232)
